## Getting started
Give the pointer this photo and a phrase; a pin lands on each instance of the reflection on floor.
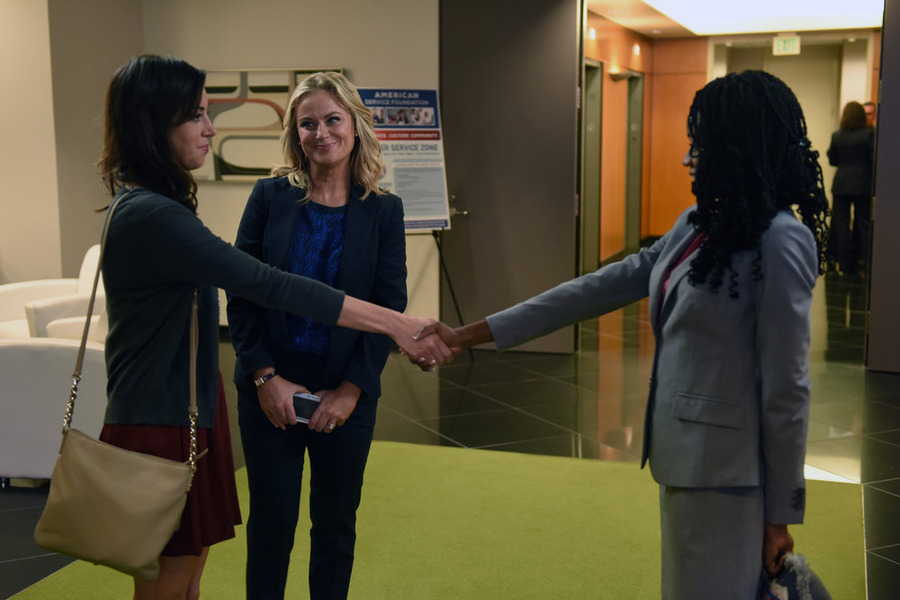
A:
(591, 405)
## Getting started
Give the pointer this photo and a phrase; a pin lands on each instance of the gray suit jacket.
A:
(729, 399)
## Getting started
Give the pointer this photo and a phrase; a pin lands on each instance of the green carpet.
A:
(440, 522)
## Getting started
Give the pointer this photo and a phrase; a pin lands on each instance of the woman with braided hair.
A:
(730, 288)
(757, 161)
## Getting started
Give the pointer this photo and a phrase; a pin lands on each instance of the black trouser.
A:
(275, 461)
(851, 241)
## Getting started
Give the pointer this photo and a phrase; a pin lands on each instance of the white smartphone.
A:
(305, 405)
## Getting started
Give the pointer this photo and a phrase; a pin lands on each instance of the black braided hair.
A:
(754, 159)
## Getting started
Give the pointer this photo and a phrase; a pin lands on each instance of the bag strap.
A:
(192, 414)
(79, 360)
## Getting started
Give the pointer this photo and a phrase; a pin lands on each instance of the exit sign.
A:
(786, 45)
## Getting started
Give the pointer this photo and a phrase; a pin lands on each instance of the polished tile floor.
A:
(591, 405)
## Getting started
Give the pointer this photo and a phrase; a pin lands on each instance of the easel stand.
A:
(436, 234)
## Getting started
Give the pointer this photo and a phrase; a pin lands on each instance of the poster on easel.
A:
(407, 123)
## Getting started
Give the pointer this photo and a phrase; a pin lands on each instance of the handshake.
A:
(433, 343)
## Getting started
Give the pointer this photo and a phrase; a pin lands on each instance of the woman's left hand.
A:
(776, 543)
(335, 407)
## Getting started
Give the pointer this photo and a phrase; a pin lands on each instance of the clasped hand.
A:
(432, 344)
(426, 344)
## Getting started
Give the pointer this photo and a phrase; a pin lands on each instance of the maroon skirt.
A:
(212, 508)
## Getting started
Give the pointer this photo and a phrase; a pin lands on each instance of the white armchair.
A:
(35, 377)
(73, 328)
(26, 307)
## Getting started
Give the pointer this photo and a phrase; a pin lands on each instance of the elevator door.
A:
(591, 150)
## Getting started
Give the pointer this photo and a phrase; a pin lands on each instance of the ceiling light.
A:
(714, 17)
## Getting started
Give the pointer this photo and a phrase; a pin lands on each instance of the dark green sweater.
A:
(157, 253)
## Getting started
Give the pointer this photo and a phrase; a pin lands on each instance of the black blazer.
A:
(852, 152)
(373, 268)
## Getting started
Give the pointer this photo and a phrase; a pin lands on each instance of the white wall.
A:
(391, 43)
(29, 228)
(856, 71)
(57, 57)
(89, 40)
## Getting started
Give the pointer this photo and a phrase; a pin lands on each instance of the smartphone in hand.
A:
(305, 405)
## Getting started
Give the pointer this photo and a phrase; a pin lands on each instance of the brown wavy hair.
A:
(853, 116)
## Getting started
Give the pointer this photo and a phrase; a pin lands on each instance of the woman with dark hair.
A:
(852, 151)
(323, 216)
(730, 288)
(157, 254)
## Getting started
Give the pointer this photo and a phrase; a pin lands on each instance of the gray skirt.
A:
(712, 542)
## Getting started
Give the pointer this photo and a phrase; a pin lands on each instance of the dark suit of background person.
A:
(372, 267)
(852, 151)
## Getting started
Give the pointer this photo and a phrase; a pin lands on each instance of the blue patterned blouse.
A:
(315, 252)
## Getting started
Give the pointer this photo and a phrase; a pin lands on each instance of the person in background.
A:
(730, 288)
(322, 215)
(852, 151)
(871, 111)
(158, 252)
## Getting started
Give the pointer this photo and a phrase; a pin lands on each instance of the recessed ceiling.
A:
(689, 18)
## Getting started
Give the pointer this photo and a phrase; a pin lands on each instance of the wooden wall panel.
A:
(678, 71)
(684, 56)
(614, 45)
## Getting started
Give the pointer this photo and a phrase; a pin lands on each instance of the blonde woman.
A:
(323, 216)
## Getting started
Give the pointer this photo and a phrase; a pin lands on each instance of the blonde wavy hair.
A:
(365, 159)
